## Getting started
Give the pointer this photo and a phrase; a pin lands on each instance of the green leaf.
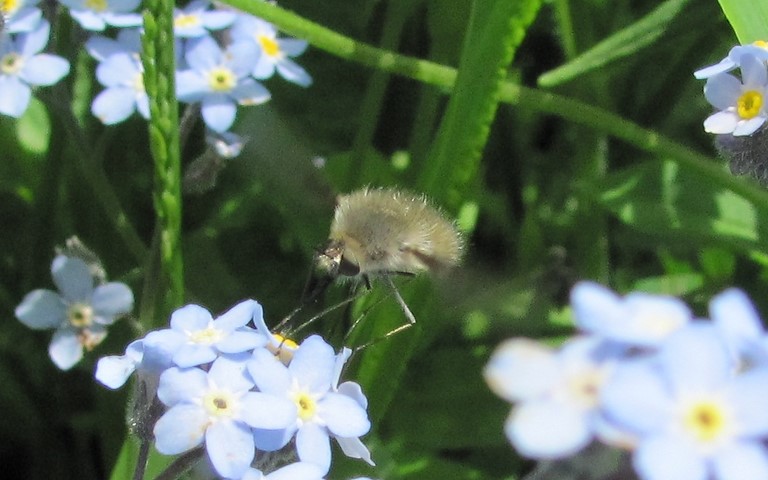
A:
(621, 44)
(749, 19)
(34, 128)
(676, 203)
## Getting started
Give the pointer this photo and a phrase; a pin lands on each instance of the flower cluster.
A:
(240, 390)
(220, 72)
(741, 103)
(687, 396)
(80, 311)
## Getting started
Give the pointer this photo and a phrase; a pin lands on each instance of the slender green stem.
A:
(159, 69)
(444, 77)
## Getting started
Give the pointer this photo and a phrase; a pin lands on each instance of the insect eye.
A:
(348, 268)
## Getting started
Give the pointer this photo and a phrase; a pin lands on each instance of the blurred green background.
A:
(555, 196)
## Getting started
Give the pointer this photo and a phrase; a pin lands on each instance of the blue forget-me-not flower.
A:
(96, 15)
(80, 311)
(22, 67)
(196, 20)
(220, 80)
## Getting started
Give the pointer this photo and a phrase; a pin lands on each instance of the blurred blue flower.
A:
(733, 60)
(294, 471)
(201, 338)
(123, 76)
(97, 14)
(352, 447)
(128, 41)
(638, 319)
(21, 15)
(79, 313)
(23, 67)
(226, 144)
(742, 105)
(150, 356)
(220, 80)
(195, 20)
(320, 412)
(693, 416)
(275, 52)
(741, 328)
(554, 391)
(218, 408)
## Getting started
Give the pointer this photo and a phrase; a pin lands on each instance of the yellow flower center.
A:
(184, 21)
(9, 7)
(306, 405)
(206, 336)
(707, 420)
(761, 44)
(96, 5)
(11, 63)
(749, 104)
(80, 315)
(220, 404)
(222, 79)
(284, 350)
(269, 45)
(138, 83)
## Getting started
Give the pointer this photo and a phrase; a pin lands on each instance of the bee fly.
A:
(380, 232)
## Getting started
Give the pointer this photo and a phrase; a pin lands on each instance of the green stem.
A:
(159, 70)
(539, 101)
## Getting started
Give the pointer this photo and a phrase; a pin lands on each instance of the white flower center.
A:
(184, 20)
(80, 315)
(222, 79)
(205, 336)
(11, 63)
(707, 420)
(221, 403)
(96, 5)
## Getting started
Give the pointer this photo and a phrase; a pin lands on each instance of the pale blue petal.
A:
(272, 440)
(118, 69)
(354, 448)
(696, 358)
(312, 364)
(114, 104)
(34, 41)
(297, 471)
(142, 105)
(343, 416)
(531, 425)
(113, 371)
(739, 461)
(250, 92)
(355, 392)
(190, 318)
(229, 372)
(73, 278)
(264, 68)
(88, 19)
(203, 53)
(650, 319)
(669, 458)
(100, 47)
(748, 127)
(218, 112)
(242, 57)
(721, 122)
(190, 355)
(230, 448)
(191, 86)
(338, 366)
(753, 72)
(722, 91)
(241, 341)
(123, 20)
(596, 309)
(24, 20)
(238, 315)
(159, 348)
(111, 300)
(123, 5)
(732, 311)
(521, 369)
(270, 412)
(636, 398)
(725, 65)
(293, 73)
(14, 96)
(313, 445)
(180, 429)
(44, 69)
(41, 310)
(65, 349)
(216, 20)
(748, 396)
(270, 375)
(292, 46)
(181, 385)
